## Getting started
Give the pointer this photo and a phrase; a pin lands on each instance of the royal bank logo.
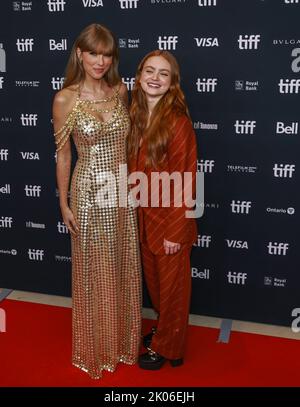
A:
(167, 42)
(206, 84)
(284, 170)
(25, 44)
(248, 86)
(129, 43)
(241, 207)
(27, 84)
(282, 128)
(33, 191)
(126, 4)
(62, 258)
(203, 241)
(35, 225)
(275, 282)
(289, 86)
(129, 82)
(296, 62)
(207, 42)
(55, 6)
(207, 3)
(22, 5)
(36, 254)
(92, 3)
(248, 42)
(244, 126)
(242, 169)
(2, 59)
(3, 154)
(57, 82)
(236, 278)
(6, 222)
(203, 275)
(58, 45)
(205, 166)
(278, 249)
(29, 119)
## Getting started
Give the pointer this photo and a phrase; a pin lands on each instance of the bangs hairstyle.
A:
(163, 118)
(94, 38)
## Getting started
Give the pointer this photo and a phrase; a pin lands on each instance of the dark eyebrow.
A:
(149, 66)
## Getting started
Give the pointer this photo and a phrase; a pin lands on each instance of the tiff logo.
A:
(203, 241)
(24, 45)
(236, 278)
(36, 254)
(281, 128)
(2, 320)
(205, 165)
(34, 191)
(62, 228)
(289, 85)
(2, 59)
(1, 82)
(248, 41)
(57, 83)
(291, 1)
(278, 249)
(128, 3)
(167, 43)
(240, 206)
(3, 154)
(284, 170)
(207, 3)
(29, 119)
(56, 5)
(6, 222)
(244, 127)
(206, 84)
(129, 82)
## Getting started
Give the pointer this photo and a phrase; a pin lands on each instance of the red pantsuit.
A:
(168, 277)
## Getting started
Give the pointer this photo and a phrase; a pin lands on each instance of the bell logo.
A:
(24, 45)
(167, 43)
(282, 129)
(56, 5)
(58, 46)
(35, 254)
(128, 3)
(205, 274)
(207, 3)
(236, 278)
(129, 82)
(289, 85)
(244, 126)
(241, 207)
(284, 170)
(278, 249)
(247, 42)
(206, 84)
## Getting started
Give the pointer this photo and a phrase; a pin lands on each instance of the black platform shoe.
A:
(148, 338)
(154, 361)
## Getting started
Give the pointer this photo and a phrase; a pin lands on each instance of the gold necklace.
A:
(109, 99)
(98, 110)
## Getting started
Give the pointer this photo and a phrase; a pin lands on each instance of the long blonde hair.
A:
(163, 117)
(93, 38)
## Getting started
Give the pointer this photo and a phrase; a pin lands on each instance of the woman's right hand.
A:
(69, 220)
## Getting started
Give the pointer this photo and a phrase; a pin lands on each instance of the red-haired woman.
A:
(162, 140)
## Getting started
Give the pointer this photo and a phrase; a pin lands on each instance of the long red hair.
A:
(163, 117)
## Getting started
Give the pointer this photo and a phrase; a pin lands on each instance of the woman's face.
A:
(156, 77)
(95, 65)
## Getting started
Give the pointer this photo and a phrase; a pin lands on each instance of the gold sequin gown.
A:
(106, 271)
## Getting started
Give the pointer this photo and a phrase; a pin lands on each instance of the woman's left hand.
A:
(171, 247)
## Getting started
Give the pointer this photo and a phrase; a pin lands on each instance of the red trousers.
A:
(168, 279)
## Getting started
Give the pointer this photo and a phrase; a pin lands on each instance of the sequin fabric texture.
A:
(106, 270)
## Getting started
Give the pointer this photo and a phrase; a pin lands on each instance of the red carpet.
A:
(35, 350)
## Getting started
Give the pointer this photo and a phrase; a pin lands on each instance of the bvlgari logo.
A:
(287, 41)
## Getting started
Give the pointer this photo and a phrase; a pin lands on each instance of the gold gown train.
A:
(106, 271)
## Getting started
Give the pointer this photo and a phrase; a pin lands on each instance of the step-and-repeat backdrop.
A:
(240, 62)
